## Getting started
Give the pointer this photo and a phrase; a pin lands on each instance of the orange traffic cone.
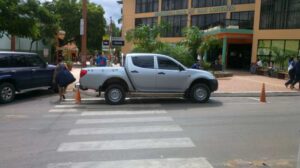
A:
(263, 94)
(77, 96)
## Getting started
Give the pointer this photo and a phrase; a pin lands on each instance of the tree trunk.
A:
(13, 43)
(31, 45)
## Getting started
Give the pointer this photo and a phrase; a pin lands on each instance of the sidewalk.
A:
(241, 84)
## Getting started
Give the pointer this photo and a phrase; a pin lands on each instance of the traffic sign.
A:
(105, 42)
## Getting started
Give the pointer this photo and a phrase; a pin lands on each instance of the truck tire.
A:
(200, 93)
(115, 94)
(7, 92)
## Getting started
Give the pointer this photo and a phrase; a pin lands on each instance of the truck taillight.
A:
(82, 73)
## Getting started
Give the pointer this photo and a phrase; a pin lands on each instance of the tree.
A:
(96, 26)
(70, 13)
(145, 37)
(47, 26)
(17, 18)
(193, 39)
(208, 43)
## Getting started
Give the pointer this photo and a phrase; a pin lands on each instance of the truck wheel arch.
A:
(9, 80)
(115, 80)
(201, 81)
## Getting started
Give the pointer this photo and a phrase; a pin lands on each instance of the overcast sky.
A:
(111, 8)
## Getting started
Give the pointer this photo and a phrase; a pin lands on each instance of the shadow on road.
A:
(30, 96)
(176, 103)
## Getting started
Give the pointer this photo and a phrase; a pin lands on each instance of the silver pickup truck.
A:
(148, 73)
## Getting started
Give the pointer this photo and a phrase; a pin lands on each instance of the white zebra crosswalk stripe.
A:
(123, 120)
(63, 110)
(68, 106)
(126, 144)
(148, 163)
(126, 130)
(108, 113)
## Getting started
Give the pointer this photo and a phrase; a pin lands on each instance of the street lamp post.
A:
(84, 33)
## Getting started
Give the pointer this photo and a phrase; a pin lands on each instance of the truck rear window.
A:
(143, 61)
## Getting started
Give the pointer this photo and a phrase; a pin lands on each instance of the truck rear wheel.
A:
(200, 93)
(115, 94)
(7, 92)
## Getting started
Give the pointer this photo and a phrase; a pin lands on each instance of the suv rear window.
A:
(143, 61)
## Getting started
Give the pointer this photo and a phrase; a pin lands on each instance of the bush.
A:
(178, 52)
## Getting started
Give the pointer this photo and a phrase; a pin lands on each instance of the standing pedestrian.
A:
(297, 74)
(62, 77)
(101, 60)
(291, 71)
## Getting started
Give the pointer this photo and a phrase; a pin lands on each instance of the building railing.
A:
(231, 23)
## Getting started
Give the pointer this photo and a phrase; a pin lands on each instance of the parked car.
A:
(21, 72)
(148, 73)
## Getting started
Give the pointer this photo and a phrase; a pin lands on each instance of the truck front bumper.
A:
(213, 83)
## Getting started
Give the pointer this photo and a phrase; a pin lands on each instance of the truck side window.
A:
(165, 63)
(143, 61)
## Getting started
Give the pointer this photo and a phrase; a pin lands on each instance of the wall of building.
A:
(278, 34)
(23, 44)
(129, 16)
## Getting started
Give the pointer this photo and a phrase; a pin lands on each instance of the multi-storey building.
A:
(249, 29)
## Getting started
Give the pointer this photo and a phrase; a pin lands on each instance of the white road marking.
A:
(54, 115)
(123, 120)
(253, 98)
(126, 144)
(68, 106)
(148, 163)
(108, 113)
(123, 130)
(63, 110)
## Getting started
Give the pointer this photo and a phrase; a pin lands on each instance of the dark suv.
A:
(20, 72)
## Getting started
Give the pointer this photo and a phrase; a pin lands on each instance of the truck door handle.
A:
(13, 71)
(33, 70)
(161, 73)
(134, 71)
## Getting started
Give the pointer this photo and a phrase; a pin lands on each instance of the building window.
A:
(143, 6)
(175, 25)
(174, 4)
(145, 21)
(208, 20)
(280, 14)
(245, 19)
(242, 1)
(268, 50)
(208, 3)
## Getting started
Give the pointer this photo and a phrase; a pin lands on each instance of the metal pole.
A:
(110, 41)
(84, 36)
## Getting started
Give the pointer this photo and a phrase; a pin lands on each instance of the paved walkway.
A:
(241, 82)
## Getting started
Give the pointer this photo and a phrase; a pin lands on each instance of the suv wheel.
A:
(7, 92)
(200, 93)
(115, 94)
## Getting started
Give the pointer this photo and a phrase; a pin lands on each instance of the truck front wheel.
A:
(200, 93)
(115, 94)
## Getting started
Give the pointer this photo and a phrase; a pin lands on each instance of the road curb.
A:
(253, 94)
(216, 94)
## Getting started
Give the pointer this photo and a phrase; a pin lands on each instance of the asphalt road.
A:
(36, 132)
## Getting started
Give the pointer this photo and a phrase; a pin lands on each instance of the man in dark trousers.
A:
(297, 77)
